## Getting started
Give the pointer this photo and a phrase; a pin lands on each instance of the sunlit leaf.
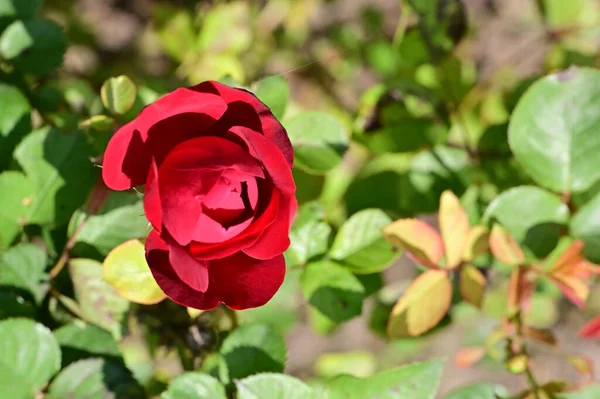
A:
(126, 269)
(418, 238)
(454, 227)
(421, 306)
(504, 247)
(118, 94)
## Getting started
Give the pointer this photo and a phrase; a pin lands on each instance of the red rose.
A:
(219, 193)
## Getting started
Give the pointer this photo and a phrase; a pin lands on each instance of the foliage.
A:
(479, 189)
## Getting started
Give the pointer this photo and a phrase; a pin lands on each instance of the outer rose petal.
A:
(152, 206)
(128, 155)
(245, 109)
(275, 239)
(238, 281)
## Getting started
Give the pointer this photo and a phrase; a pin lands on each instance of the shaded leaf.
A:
(584, 226)
(359, 244)
(319, 141)
(79, 340)
(104, 378)
(274, 92)
(333, 290)
(61, 172)
(251, 349)
(472, 285)
(23, 267)
(99, 301)
(33, 46)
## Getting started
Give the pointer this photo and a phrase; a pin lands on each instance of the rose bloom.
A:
(219, 193)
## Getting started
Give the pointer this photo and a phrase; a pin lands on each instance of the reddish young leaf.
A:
(477, 243)
(571, 255)
(545, 336)
(504, 247)
(422, 305)
(467, 357)
(591, 330)
(583, 364)
(420, 240)
(572, 287)
(520, 288)
(472, 285)
(454, 226)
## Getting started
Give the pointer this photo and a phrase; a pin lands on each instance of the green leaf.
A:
(584, 225)
(80, 340)
(411, 134)
(273, 386)
(120, 219)
(15, 120)
(23, 267)
(355, 363)
(590, 392)
(14, 305)
(415, 381)
(478, 391)
(553, 130)
(118, 94)
(33, 46)
(13, 385)
(534, 218)
(95, 378)
(359, 244)
(101, 123)
(15, 203)
(251, 349)
(99, 301)
(30, 352)
(19, 9)
(59, 167)
(319, 140)
(126, 269)
(333, 290)
(232, 18)
(175, 30)
(309, 235)
(274, 92)
(194, 385)
(558, 13)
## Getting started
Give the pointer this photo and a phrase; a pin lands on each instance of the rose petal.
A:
(268, 155)
(274, 240)
(152, 207)
(245, 109)
(245, 239)
(128, 155)
(238, 281)
(191, 271)
(189, 174)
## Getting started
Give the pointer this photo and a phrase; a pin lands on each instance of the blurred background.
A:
(368, 63)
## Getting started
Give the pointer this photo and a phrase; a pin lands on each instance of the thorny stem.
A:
(531, 380)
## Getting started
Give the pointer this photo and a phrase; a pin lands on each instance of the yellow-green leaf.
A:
(472, 285)
(504, 247)
(422, 306)
(477, 243)
(118, 94)
(125, 268)
(454, 226)
(418, 238)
